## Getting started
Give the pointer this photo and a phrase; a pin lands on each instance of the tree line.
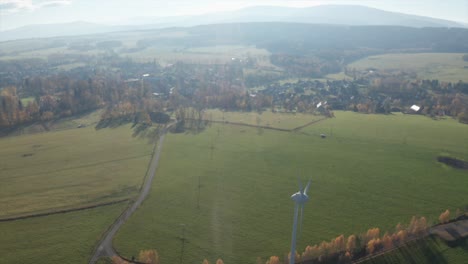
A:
(347, 249)
(338, 250)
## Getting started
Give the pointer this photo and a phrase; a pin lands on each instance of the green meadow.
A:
(226, 191)
(70, 168)
(60, 170)
(448, 67)
(61, 238)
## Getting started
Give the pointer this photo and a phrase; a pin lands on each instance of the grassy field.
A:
(338, 77)
(236, 50)
(70, 168)
(371, 171)
(442, 66)
(55, 239)
(200, 55)
(267, 118)
(27, 100)
(163, 54)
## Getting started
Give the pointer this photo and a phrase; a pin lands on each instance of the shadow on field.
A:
(417, 252)
(140, 130)
(114, 122)
(147, 132)
(461, 243)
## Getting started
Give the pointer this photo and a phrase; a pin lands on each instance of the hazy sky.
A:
(16, 13)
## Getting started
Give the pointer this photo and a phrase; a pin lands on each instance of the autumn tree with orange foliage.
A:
(297, 257)
(341, 250)
(402, 235)
(387, 241)
(444, 217)
(118, 260)
(351, 244)
(372, 233)
(373, 245)
(417, 225)
(339, 244)
(273, 260)
(149, 257)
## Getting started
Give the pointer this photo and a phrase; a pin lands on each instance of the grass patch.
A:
(27, 100)
(71, 66)
(372, 171)
(339, 77)
(83, 120)
(63, 238)
(296, 80)
(442, 66)
(235, 50)
(70, 168)
(199, 55)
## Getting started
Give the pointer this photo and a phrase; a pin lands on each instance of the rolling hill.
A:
(326, 14)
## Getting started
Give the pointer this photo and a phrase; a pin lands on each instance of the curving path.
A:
(105, 248)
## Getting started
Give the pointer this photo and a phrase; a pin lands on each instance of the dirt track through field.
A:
(105, 248)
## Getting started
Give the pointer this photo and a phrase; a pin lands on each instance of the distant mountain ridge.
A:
(324, 14)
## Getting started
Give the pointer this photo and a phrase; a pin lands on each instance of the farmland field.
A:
(55, 239)
(226, 190)
(70, 168)
(443, 66)
(27, 100)
(216, 54)
(200, 55)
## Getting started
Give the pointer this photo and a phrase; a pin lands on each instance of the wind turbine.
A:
(299, 198)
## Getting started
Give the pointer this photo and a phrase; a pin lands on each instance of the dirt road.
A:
(105, 248)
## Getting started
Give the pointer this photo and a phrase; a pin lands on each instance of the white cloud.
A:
(29, 5)
(54, 3)
(16, 5)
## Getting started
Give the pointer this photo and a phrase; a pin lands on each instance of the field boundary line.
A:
(77, 167)
(249, 125)
(11, 219)
(264, 127)
(308, 124)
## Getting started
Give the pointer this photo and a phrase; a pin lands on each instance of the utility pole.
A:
(183, 239)
(198, 197)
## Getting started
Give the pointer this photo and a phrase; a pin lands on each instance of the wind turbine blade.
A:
(307, 187)
(300, 186)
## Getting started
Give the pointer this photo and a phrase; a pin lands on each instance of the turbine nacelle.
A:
(300, 197)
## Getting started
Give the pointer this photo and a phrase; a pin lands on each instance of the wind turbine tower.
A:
(299, 198)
